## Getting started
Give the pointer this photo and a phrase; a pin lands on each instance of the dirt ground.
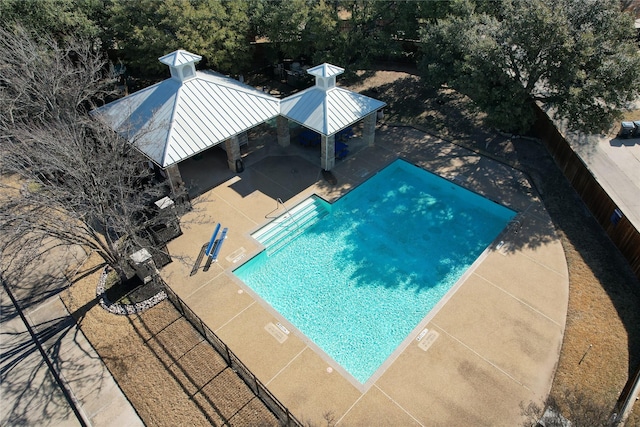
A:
(601, 347)
(602, 339)
(162, 364)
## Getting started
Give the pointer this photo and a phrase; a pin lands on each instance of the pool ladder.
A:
(288, 214)
(514, 226)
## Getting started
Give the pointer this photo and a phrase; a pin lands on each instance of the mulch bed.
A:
(604, 296)
(161, 363)
(132, 291)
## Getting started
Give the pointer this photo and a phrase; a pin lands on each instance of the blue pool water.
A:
(362, 278)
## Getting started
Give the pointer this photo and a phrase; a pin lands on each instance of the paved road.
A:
(29, 391)
(615, 163)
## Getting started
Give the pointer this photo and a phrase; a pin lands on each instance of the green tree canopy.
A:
(295, 28)
(144, 30)
(57, 18)
(371, 30)
(349, 33)
(577, 57)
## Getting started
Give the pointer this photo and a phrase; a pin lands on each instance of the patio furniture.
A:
(342, 150)
(309, 138)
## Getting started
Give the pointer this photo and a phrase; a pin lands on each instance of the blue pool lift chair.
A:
(345, 134)
(309, 138)
(342, 150)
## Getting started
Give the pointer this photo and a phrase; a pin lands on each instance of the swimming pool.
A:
(362, 277)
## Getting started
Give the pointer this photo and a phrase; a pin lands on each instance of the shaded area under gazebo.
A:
(189, 113)
(328, 110)
(182, 117)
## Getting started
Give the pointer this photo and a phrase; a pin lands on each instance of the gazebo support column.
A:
(243, 138)
(369, 129)
(232, 147)
(175, 178)
(328, 152)
(284, 139)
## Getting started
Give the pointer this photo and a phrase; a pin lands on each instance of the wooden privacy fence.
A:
(280, 411)
(623, 234)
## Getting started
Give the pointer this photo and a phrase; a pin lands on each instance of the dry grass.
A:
(601, 346)
(631, 115)
(604, 297)
(162, 364)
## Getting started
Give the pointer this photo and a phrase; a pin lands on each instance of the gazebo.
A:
(193, 111)
(189, 113)
(328, 109)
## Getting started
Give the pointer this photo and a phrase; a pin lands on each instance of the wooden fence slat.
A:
(623, 234)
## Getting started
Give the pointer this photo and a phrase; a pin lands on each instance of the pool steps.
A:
(282, 230)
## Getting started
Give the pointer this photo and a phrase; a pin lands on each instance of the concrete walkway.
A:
(490, 345)
(29, 393)
(615, 163)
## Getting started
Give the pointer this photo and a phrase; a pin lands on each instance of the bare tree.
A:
(571, 405)
(632, 6)
(66, 175)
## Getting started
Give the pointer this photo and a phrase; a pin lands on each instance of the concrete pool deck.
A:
(492, 345)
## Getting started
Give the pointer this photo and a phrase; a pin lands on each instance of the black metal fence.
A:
(281, 412)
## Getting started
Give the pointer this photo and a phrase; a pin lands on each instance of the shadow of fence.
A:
(283, 415)
(608, 214)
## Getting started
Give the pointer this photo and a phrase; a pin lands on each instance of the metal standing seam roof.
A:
(325, 108)
(172, 120)
(179, 57)
(325, 70)
(328, 111)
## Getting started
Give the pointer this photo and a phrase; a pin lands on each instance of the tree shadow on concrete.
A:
(451, 117)
(32, 394)
(31, 386)
(580, 228)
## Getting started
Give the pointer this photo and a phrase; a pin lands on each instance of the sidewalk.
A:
(29, 393)
(615, 163)
(492, 344)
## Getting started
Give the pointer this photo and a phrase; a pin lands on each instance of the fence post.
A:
(234, 363)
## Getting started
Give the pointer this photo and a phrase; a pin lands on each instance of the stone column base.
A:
(284, 139)
(369, 129)
(232, 147)
(328, 152)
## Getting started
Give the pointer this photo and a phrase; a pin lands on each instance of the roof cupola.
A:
(325, 75)
(181, 63)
